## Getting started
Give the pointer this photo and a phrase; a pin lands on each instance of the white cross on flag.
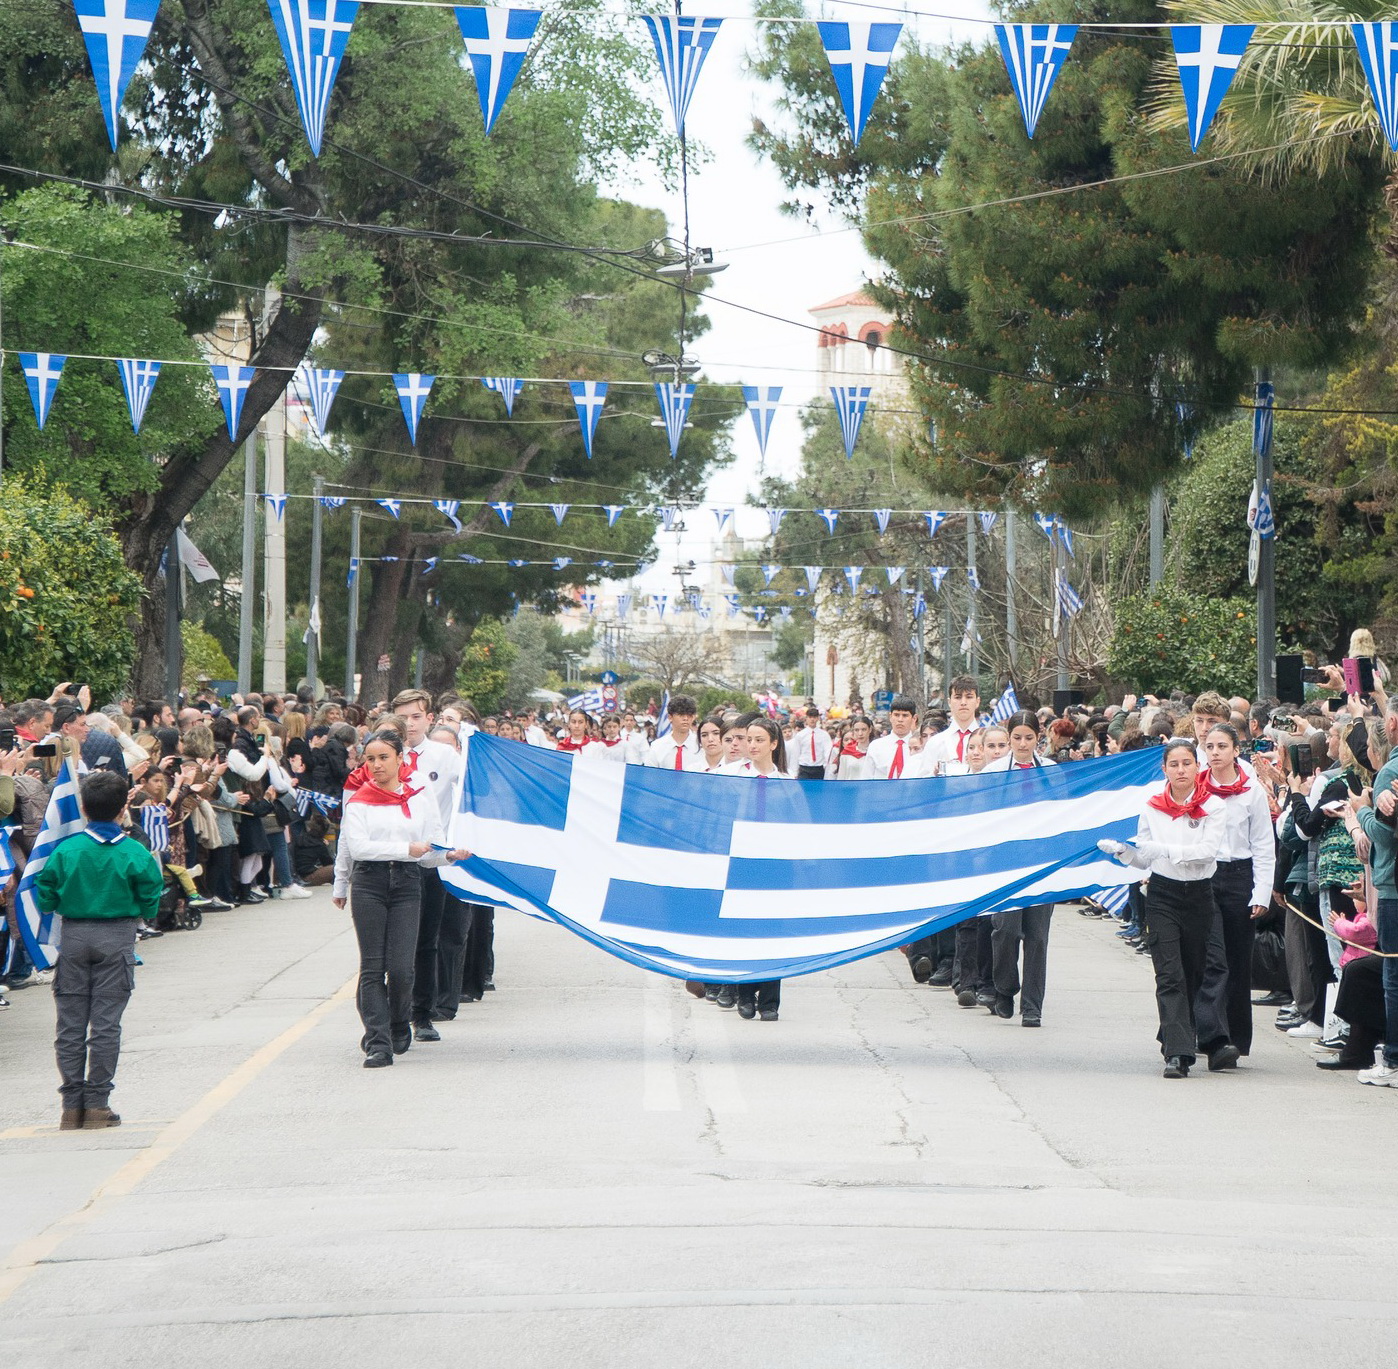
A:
(116, 33)
(138, 380)
(859, 55)
(675, 400)
(681, 44)
(413, 388)
(313, 36)
(1208, 56)
(850, 403)
(41, 373)
(762, 401)
(321, 387)
(233, 383)
(497, 42)
(588, 398)
(1034, 55)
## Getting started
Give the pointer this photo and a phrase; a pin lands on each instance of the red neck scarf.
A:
(370, 793)
(851, 749)
(1224, 791)
(568, 744)
(1192, 807)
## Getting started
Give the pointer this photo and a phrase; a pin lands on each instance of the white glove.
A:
(1110, 847)
(1151, 850)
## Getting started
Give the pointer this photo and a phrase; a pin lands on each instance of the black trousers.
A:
(766, 996)
(1307, 958)
(810, 772)
(385, 902)
(218, 871)
(429, 931)
(1008, 931)
(1181, 915)
(452, 937)
(1360, 1003)
(479, 964)
(1223, 1005)
(975, 962)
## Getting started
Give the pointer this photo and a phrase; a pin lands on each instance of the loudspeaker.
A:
(1290, 690)
(1066, 698)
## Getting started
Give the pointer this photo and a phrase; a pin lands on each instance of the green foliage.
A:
(484, 672)
(65, 595)
(715, 700)
(1175, 639)
(790, 640)
(204, 658)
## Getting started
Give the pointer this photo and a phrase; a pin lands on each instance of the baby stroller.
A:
(175, 914)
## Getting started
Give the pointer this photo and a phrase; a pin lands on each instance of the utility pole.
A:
(173, 644)
(249, 564)
(919, 635)
(1266, 546)
(1157, 535)
(274, 549)
(971, 625)
(1011, 617)
(313, 635)
(946, 643)
(352, 626)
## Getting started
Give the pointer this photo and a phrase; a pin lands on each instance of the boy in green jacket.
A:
(102, 884)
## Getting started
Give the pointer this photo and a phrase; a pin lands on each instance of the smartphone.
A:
(8, 738)
(1359, 674)
(1311, 674)
(1302, 759)
(46, 749)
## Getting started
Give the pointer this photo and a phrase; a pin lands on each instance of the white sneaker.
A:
(295, 891)
(41, 977)
(1308, 1030)
(1382, 1075)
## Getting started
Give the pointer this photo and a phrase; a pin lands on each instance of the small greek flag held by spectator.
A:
(7, 859)
(1114, 899)
(310, 801)
(662, 724)
(1006, 705)
(590, 701)
(62, 819)
(155, 823)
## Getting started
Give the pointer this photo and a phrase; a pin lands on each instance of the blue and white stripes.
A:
(39, 930)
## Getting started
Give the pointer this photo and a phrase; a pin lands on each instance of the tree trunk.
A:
(905, 677)
(390, 586)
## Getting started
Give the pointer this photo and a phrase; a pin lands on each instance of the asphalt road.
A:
(593, 1169)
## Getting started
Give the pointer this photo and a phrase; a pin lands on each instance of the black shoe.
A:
(1029, 1020)
(217, 905)
(1004, 1006)
(747, 1011)
(1175, 1068)
(443, 1016)
(921, 967)
(1285, 1024)
(489, 986)
(1275, 999)
(942, 978)
(727, 997)
(252, 896)
(401, 1044)
(376, 1060)
(425, 1031)
(1224, 1058)
(711, 993)
(1341, 1062)
(986, 998)
(966, 998)
(768, 1014)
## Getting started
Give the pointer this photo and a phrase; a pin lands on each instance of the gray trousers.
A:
(1007, 930)
(91, 984)
(385, 900)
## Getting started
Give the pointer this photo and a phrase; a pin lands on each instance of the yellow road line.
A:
(26, 1257)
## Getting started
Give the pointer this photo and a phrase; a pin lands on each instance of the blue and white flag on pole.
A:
(590, 700)
(41, 374)
(116, 33)
(138, 380)
(313, 36)
(859, 55)
(588, 398)
(1265, 397)
(413, 388)
(762, 401)
(681, 45)
(39, 929)
(1034, 55)
(1006, 705)
(448, 508)
(675, 400)
(233, 384)
(497, 42)
(322, 385)
(1378, 53)
(743, 880)
(662, 723)
(1208, 56)
(850, 403)
(507, 387)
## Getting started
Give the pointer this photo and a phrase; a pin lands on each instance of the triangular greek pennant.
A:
(762, 401)
(393, 506)
(675, 400)
(138, 380)
(613, 512)
(987, 521)
(116, 33)
(669, 516)
(829, 517)
(588, 398)
(812, 577)
(881, 517)
(935, 518)
(41, 374)
(276, 503)
(1378, 52)
(721, 517)
(331, 502)
(497, 42)
(233, 384)
(448, 509)
(507, 387)
(770, 573)
(938, 574)
(894, 573)
(853, 574)
(562, 562)
(313, 34)
(560, 512)
(413, 388)
(505, 509)
(859, 55)
(681, 44)
(774, 519)
(1208, 57)
(588, 599)
(623, 605)
(661, 602)
(429, 564)
(1034, 55)
(726, 571)
(321, 387)
(850, 403)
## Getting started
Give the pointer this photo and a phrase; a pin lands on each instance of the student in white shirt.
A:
(1178, 838)
(578, 738)
(850, 760)
(711, 755)
(1242, 886)
(679, 748)
(995, 742)
(964, 698)
(895, 756)
(810, 749)
(735, 739)
(389, 831)
(612, 747)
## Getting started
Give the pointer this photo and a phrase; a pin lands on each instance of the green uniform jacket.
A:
(86, 878)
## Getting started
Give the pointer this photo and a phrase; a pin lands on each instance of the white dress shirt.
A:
(809, 746)
(882, 751)
(946, 746)
(1008, 762)
(370, 831)
(661, 755)
(1247, 835)
(438, 770)
(842, 766)
(534, 735)
(749, 771)
(1190, 846)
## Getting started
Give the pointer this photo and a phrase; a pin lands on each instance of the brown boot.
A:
(95, 1119)
(72, 1120)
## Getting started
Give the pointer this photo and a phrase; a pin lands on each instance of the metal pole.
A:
(313, 636)
(1266, 559)
(274, 551)
(172, 622)
(946, 644)
(417, 669)
(1065, 623)
(919, 637)
(1011, 617)
(352, 625)
(249, 564)
(1157, 535)
(971, 626)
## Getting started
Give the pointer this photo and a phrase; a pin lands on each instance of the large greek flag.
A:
(728, 879)
(62, 819)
